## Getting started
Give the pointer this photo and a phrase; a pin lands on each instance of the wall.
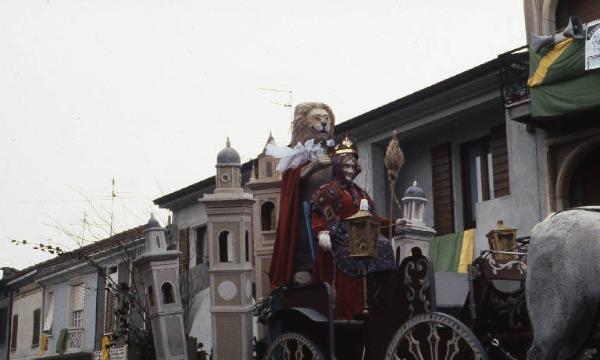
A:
(62, 298)
(526, 205)
(24, 305)
(5, 305)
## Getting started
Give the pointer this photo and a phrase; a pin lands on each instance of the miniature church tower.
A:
(411, 230)
(229, 217)
(160, 273)
(265, 183)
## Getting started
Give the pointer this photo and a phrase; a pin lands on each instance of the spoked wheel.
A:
(433, 336)
(293, 346)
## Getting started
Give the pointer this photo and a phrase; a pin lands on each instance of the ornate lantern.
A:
(502, 238)
(363, 228)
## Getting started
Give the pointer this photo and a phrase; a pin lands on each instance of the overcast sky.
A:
(146, 92)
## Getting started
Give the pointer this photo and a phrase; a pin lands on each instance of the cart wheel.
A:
(435, 336)
(293, 346)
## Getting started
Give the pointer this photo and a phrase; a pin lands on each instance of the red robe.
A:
(286, 237)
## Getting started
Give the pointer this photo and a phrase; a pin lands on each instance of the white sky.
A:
(147, 91)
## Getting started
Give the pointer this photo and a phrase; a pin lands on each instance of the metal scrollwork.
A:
(434, 336)
(417, 285)
(520, 266)
(293, 346)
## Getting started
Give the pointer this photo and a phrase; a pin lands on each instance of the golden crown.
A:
(347, 146)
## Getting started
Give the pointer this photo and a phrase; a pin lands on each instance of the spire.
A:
(228, 143)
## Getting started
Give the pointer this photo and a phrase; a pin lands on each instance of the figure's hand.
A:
(321, 162)
(325, 240)
(324, 160)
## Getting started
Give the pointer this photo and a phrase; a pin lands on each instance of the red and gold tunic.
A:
(332, 203)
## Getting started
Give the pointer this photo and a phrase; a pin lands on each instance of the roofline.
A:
(428, 92)
(202, 184)
(22, 277)
(69, 254)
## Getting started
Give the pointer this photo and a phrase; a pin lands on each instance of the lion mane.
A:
(301, 131)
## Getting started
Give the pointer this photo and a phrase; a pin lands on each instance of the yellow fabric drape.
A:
(43, 344)
(466, 250)
(540, 73)
(105, 347)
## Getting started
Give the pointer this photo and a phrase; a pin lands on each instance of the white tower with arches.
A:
(159, 269)
(229, 218)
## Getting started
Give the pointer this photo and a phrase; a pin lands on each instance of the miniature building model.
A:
(229, 218)
(411, 230)
(266, 187)
(160, 273)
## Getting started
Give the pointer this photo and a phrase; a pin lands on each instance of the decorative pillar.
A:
(411, 230)
(159, 269)
(229, 218)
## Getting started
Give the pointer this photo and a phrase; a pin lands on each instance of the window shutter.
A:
(184, 249)
(78, 297)
(111, 302)
(443, 203)
(499, 161)
(49, 313)
(37, 317)
(14, 333)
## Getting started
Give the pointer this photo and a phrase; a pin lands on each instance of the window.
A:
(14, 333)
(37, 317)
(267, 216)
(184, 250)
(443, 196)
(110, 307)
(268, 169)
(484, 172)
(225, 246)
(77, 303)
(167, 293)
(151, 295)
(477, 173)
(201, 240)
(247, 245)
(49, 313)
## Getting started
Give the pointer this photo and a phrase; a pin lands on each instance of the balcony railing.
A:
(514, 72)
(74, 339)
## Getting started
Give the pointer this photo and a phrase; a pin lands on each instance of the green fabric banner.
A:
(558, 81)
(444, 252)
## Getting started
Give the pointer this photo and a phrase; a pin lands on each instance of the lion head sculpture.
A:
(312, 120)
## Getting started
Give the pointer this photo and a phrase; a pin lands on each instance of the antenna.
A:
(112, 206)
(84, 223)
(287, 105)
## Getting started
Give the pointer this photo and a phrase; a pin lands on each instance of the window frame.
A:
(49, 304)
(36, 328)
(485, 179)
(72, 320)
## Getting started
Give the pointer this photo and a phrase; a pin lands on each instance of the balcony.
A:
(514, 72)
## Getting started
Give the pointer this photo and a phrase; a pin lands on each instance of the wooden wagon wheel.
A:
(293, 346)
(434, 336)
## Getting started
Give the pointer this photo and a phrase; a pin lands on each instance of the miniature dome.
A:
(152, 223)
(414, 191)
(228, 156)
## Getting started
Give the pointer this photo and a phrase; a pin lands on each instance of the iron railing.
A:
(514, 72)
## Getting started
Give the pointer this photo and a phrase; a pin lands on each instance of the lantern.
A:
(502, 238)
(363, 228)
